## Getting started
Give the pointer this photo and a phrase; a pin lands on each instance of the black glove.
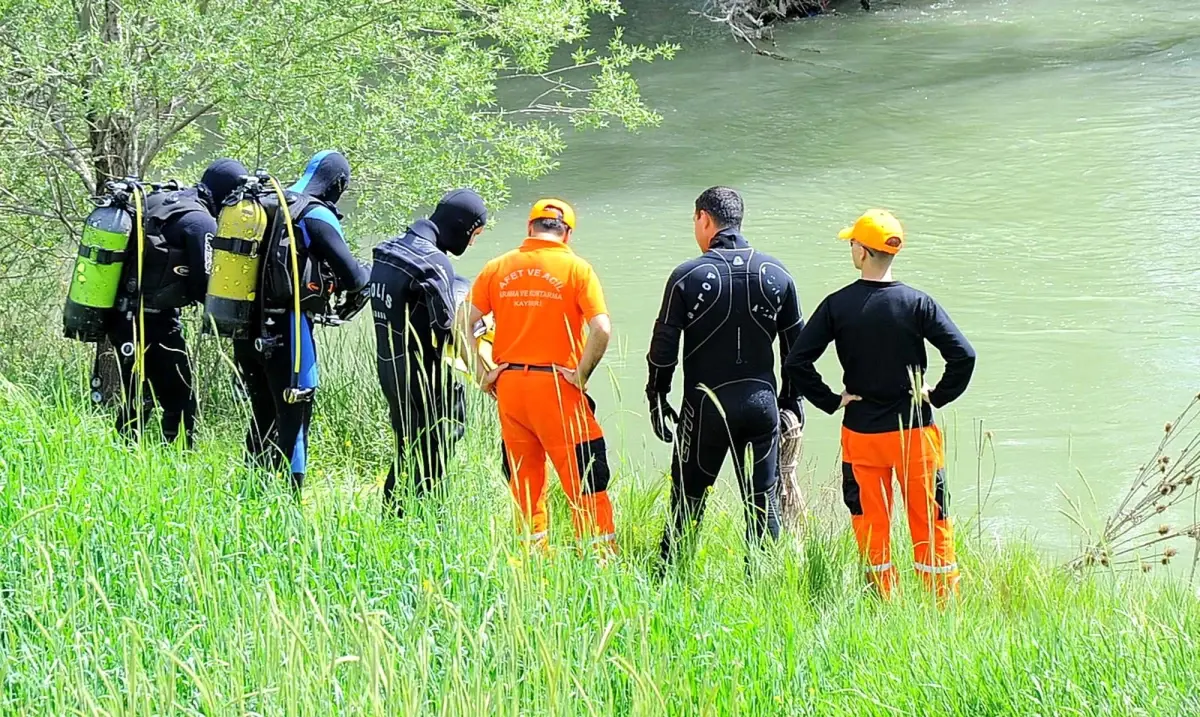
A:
(352, 302)
(795, 405)
(662, 416)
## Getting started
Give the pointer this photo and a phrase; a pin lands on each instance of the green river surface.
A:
(1043, 156)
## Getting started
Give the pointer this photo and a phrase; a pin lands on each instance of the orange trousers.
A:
(542, 415)
(917, 458)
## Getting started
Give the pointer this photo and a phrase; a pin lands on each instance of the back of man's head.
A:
(724, 205)
(555, 227)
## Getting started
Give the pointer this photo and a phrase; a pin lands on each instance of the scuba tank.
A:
(103, 249)
(246, 232)
(233, 285)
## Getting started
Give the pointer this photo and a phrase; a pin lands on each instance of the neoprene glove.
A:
(352, 302)
(795, 405)
(662, 416)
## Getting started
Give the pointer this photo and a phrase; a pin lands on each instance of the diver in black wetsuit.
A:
(178, 226)
(414, 305)
(730, 304)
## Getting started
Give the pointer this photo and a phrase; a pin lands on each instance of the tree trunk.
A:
(109, 139)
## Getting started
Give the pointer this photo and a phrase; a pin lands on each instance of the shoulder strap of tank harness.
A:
(165, 204)
(298, 207)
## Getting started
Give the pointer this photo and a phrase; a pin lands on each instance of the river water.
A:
(1043, 156)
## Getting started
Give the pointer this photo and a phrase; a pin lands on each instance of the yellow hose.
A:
(139, 359)
(287, 216)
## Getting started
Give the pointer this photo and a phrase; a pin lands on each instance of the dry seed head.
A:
(1170, 552)
(1146, 567)
(1165, 460)
(1189, 480)
(1159, 508)
(1166, 561)
(1104, 560)
(1167, 428)
(1164, 529)
(1165, 490)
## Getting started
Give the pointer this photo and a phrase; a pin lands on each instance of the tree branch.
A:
(66, 158)
(155, 147)
(547, 74)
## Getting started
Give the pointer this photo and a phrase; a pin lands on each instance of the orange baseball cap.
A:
(553, 209)
(878, 230)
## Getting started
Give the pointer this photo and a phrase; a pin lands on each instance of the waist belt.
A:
(529, 367)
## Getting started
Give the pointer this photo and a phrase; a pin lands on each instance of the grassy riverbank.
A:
(153, 581)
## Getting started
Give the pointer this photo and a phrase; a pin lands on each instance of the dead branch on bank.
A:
(1139, 533)
(751, 21)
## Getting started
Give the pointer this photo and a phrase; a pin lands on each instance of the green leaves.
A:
(409, 90)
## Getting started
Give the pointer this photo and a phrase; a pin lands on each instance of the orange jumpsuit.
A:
(541, 296)
(917, 457)
(880, 329)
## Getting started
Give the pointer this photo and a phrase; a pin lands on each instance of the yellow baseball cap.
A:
(553, 209)
(878, 230)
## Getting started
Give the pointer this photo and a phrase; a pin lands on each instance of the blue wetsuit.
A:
(278, 435)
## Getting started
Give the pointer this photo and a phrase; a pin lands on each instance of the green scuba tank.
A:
(96, 277)
(236, 252)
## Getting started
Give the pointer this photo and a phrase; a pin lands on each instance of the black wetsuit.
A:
(278, 436)
(412, 300)
(730, 304)
(178, 226)
(880, 329)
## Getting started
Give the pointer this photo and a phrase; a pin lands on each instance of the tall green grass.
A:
(148, 580)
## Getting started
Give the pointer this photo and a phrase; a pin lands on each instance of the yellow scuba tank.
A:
(236, 253)
(99, 266)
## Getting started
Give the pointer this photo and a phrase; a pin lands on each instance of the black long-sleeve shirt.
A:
(879, 330)
(729, 304)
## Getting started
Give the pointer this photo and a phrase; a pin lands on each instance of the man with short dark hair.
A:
(880, 327)
(541, 296)
(730, 305)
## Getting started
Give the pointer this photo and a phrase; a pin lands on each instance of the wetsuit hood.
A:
(728, 238)
(218, 181)
(457, 217)
(326, 177)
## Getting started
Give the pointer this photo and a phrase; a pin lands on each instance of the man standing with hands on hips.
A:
(880, 327)
(541, 295)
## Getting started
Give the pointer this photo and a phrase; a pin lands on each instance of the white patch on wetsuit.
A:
(379, 291)
(707, 280)
(773, 280)
(208, 254)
